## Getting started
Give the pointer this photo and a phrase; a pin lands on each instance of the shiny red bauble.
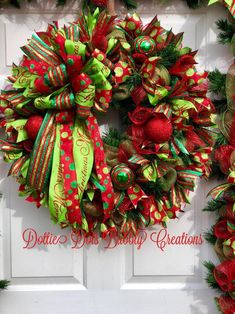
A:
(33, 125)
(158, 129)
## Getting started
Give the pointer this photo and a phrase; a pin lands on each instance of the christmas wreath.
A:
(222, 233)
(70, 76)
(131, 4)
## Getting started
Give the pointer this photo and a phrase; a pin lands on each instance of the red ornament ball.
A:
(158, 129)
(100, 3)
(32, 126)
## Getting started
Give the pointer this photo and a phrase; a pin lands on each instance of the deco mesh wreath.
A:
(67, 77)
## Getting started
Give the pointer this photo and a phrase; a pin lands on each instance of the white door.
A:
(93, 279)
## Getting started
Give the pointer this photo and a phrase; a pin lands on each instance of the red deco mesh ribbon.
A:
(226, 304)
(224, 275)
(221, 230)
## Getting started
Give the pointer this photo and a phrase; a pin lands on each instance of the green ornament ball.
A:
(122, 177)
(144, 44)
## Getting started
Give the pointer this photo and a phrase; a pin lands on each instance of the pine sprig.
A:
(134, 80)
(194, 4)
(227, 31)
(4, 284)
(217, 82)
(210, 277)
(61, 2)
(169, 55)
(209, 266)
(216, 172)
(123, 107)
(214, 205)
(130, 4)
(218, 305)
(153, 188)
(220, 105)
(215, 168)
(15, 3)
(133, 214)
(112, 138)
(210, 236)
(220, 140)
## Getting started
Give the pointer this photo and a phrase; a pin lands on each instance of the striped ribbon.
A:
(41, 157)
(17, 166)
(38, 50)
(72, 32)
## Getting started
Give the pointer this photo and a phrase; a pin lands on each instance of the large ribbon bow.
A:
(150, 75)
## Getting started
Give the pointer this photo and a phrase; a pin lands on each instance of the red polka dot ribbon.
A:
(69, 173)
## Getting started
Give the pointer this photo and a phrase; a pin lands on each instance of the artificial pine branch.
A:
(220, 105)
(214, 205)
(61, 2)
(133, 214)
(231, 193)
(209, 265)
(130, 4)
(194, 4)
(133, 81)
(216, 172)
(123, 107)
(4, 284)
(210, 277)
(220, 140)
(227, 31)
(210, 237)
(112, 138)
(15, 3)
(217, 305)
(217, 82)
(152, 188)
(215, 168)
(169, 55)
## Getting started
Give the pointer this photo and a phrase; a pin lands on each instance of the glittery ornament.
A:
(158, 129)
(144, 44)
(33, 125)
(122, 176)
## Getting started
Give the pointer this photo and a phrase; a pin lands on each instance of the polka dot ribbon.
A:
(101, 168)
(69, 173)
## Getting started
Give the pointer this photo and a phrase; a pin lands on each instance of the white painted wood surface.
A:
(95, 280)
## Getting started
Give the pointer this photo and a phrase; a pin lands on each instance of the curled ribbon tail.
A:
(101, 167)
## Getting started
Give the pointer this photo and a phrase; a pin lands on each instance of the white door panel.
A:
(93, 279)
